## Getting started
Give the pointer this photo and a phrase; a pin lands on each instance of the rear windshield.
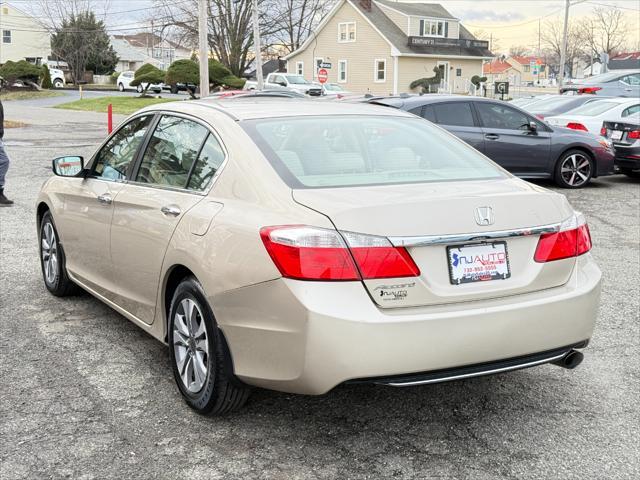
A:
(550, 104)
(602, 78)
(338, 151)
(593, 108)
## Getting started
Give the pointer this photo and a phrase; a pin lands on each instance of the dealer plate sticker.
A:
(478, 263)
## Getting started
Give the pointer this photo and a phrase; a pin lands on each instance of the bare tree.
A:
(494, 43)
(52, 13)
(606, 31)
(519, 51)
(290, 22)
(230, 34)
(552, 38)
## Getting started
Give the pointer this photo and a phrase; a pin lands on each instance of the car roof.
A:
(246, 107)
(406, 102)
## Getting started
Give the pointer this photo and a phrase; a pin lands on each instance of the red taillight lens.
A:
(540, 116)
(603, 131)
(564, 244)
(591, 90)
(309, 253)
(576, 126)
(634, 134)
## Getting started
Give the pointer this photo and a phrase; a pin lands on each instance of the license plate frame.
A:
(476, 276)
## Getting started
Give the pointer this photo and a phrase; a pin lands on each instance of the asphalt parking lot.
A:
(86, 394)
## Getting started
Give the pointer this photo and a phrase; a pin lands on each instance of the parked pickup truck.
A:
(287, 81)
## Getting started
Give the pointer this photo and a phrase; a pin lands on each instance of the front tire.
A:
(198, 354)
(121, 87)
(574, 169)
(57, 83)
(53, 260)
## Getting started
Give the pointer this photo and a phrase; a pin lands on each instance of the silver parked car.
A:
(617, 83)
(295, 245)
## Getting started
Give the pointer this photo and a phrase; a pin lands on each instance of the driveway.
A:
(72, 95)
(86, 394)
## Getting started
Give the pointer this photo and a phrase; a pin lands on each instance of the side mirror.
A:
(67, 166)
(533, 127)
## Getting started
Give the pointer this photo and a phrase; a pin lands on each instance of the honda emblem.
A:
(484, 216)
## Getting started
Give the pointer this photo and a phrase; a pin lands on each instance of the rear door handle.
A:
(492, 136)
(105, 199)
(171, 210)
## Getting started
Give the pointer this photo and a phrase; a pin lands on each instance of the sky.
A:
(512, 22)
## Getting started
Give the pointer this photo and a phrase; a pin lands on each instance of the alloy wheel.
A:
(190, 345)
(575, 170)
(49, 253)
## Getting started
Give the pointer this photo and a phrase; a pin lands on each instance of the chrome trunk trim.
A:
(424, 240)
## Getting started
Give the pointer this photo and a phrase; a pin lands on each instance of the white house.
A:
(23, 38)
(140, 48)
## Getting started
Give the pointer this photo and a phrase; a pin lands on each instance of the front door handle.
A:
(105, 199)
(492, 136)
(171, 210)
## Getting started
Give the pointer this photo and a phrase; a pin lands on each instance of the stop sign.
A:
(323, 75)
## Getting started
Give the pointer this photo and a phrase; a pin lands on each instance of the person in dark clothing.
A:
(4, 162)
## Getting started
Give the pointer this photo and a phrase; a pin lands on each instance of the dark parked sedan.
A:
(626, 140)
(515, 139)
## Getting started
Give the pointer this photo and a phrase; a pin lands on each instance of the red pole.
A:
(110, 118)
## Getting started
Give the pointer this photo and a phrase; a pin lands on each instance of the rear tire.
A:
(199, 359)
(57, 83)
(630, 173)
(121, 87)
(53, 260)
(574, 169)
(139, 89)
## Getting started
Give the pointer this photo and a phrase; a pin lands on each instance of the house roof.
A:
(146, 39)
(624, 61)
(126, 52)
(400, 40)
(627, 56)
(418, 9)
(268, 67)
(526, 60)
(496, 66)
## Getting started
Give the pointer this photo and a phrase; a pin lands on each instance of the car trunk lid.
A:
(429, 219)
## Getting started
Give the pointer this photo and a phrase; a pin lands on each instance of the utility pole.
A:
(203, 48)
(563, 52)
(256, 44)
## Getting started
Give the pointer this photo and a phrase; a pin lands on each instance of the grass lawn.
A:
(28, 95)
(123, 105)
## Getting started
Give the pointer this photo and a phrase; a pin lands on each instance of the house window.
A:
(347, 32)
(432, 28)
(6, 36)
(380, 70)
(5, 11)
(342, 71)
(527, 68)
(300, 68)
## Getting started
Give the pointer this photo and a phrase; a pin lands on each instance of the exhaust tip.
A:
(571, 360)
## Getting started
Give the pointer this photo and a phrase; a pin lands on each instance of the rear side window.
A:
(207, 165)
(631, 110)
(349, 150)
(172, 151)
(457, 114)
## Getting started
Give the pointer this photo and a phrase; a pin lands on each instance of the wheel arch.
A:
(41, 209)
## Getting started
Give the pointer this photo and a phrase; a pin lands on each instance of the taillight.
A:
(633, 135)
(576, 126)
(603, 131)
(591, 90)
(572, 240)
(540, 116)
(310, 253)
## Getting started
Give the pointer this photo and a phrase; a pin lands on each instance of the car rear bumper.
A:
(308, 337)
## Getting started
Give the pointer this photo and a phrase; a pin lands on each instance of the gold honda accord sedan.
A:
(296, 245)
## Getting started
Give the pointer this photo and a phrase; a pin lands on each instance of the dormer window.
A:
(347, 32)
(432, 28)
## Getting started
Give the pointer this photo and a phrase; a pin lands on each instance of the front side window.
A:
(342, 71)
(457, 114)
(172, 151)
(114, 159)
(347, 32)
(6, 36)
(380, 70)
(356, 150)
(502, 117)
(296, 80)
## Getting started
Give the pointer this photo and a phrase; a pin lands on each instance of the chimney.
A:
(366, 5)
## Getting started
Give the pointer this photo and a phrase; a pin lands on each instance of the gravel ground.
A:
(86, 394)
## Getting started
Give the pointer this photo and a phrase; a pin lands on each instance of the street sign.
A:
(323, 75)
(501, 88)
(326, 65)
